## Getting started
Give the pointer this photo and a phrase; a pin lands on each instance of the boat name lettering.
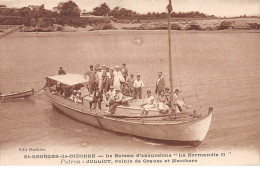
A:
(153, 155)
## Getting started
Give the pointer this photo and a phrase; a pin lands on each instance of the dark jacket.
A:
(160, 85)
(125, 72)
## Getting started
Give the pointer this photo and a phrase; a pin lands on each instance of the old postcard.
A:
(120, 82)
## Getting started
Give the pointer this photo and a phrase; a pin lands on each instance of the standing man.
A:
(131, 81)
(103, 84)
(160, 84)
(97, 67)
(118, 77)
(97, 99)
(111, 74)
(138, 85)
(104, 69)
(99, 78)
(124, 71)
(91, 74)
(61, 72)
(109, 81)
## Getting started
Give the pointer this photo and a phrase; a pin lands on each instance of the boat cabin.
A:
(67, 86)
(73, 87)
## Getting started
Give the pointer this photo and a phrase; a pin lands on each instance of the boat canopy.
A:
(69, 79)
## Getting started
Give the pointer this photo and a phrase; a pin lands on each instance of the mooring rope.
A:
(2, 98)
(196, 93)
(190, 76)
(178, 68)
(35, 92)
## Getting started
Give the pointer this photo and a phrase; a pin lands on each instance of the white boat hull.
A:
(192, 131)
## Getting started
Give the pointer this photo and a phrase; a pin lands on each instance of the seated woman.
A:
(167, 93)
(178, 103)
(162, 103)
(149, 104)
(78, 97)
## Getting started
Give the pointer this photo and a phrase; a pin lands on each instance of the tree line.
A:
(123, 13)
(70, 15)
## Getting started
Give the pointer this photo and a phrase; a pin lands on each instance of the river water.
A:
(219, 69)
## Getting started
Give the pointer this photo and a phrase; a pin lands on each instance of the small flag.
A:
(169, 7)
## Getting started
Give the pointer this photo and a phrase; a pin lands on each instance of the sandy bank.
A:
(219, 25)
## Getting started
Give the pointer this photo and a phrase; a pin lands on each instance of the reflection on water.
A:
(223, 68)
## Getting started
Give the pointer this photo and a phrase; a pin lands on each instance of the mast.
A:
(169, 7)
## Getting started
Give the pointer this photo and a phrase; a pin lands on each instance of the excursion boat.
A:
(17, 95)
(180, 128)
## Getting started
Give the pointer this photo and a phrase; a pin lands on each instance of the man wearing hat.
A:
(117, 101)
(124, 71)
(111, 71)
(104, 69)
(118, 77)
(91, 74)
(109, 81)
(99, 78)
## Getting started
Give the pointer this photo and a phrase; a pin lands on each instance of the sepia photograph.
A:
(129, 82)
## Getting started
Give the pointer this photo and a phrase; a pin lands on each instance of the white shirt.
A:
(118, 97)
(175, 96)
(118, 78)
(150, 100)
(108, 75)
(138, 84)
(111, 94)
(99, 75)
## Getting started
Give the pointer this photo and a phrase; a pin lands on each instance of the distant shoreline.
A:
(249, 25)
(150, 31)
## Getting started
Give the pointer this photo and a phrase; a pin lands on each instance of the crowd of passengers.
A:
(113, 86)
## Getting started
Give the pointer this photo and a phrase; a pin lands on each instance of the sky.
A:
(221, 8)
